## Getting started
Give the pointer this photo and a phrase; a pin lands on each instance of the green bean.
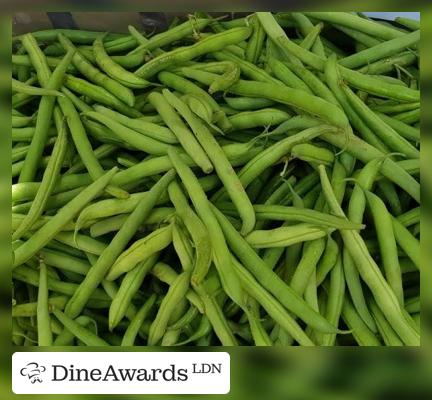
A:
(389, 64)
(370, 272)
(30, 309)
(259, 334)
(381, 50)
(389, 336)
(88, 337)
(247, 68)
(186, 138)
(37, 58)
(317, 87)
(356, 79)
(150, 129)
(28, 275)
(327, 261)
(275, 152)
(272, 306)
(409, 23)
(139, 251)
(157, 41)
(93, 74)
(19, 121)
(63, 216)
(407, 242)
(130, 136)
(185, 86)
(113, 250)
(269, 279)
(43, 122)
(360, 331)
(410, 217)
(114, 223)
(136, 323)
(83, 145)
(221, 259)
(24, 61)
(370, 27)
(255, 42)
(284, 213)
(409, 117)
(365, 152)
(45, 336)
(176, 291)
(312, 252)
(66, 338)
(188, 317)
(387, 242)
(403, 129)
(48, 180)
(182, 247)
(384, 131)
(99, 94)
(128, 288)
(247, 103)
(107, 208)
(223, 168)
(307, 28)
(259, 118)
(114, 70)
(64, 261)
(196, 229)
(20, 87)
(288, 77)
(293, 97)
(75, 35)
(210, 44)
(335, 301)
(312, 154)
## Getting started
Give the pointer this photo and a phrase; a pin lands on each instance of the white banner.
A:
(121, 372)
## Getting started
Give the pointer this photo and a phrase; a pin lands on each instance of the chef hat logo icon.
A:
(33, 371)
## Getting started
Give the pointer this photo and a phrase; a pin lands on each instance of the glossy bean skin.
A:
(111, 252)
(89, 338)
(130, 136)
(381, 50)
(45, 336)
(371, 274)
(20, 87)
(176, 33)
(128, 288)
(221, 256)
(150, 129)
(140, 251)
(50, 229)
(210, 44)
(269, 279)
(133, 328)
(114, 70)
(43, 121)
(223, 168)
(176, 291)
(387, 242)
(83, 145)
(285, 235)
(94, 75)
(99, 94)
(197, 230)
(49, 179)
(182, 132)
(358, 80)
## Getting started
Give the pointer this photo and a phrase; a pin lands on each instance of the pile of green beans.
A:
(252, 181)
